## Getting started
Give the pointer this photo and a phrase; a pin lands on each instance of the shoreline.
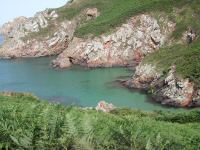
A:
(151, 98)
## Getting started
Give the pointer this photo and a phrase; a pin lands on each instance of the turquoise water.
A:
(78, 86)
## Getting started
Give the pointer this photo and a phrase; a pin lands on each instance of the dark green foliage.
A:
(33, 124)
(182, 117)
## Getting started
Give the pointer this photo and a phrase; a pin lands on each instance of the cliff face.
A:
(167, 89)
(127, 45)
(19, 44)
(52, 32)
(45, 35)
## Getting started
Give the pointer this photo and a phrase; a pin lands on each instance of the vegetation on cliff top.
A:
(27, 123)
(116, 12)
(186, 57)
(113, 14)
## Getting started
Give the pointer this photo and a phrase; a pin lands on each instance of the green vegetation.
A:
(27, 123)
(186, 57)
(116, 12)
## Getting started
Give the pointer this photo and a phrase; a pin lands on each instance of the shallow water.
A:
(78, 86)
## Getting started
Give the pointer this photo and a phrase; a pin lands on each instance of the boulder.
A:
(189, 36)
(105, 107)
(62, 64)
(92, 12)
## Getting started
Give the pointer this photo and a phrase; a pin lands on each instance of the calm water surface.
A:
(75, 86)
(78, 86)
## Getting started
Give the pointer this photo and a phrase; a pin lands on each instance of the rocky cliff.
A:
(167, 89)
(127, 45)
(52, 32)
(21, 39)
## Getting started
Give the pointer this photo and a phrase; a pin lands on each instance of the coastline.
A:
(140, 35)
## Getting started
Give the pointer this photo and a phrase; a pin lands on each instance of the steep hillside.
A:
(171, 74)
(27, 123)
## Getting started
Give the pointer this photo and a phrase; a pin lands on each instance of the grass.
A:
(185, 57)
(116, 12)
(27, 123)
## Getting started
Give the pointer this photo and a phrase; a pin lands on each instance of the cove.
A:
(76, 86)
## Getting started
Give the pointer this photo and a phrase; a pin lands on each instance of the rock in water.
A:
(63, 64)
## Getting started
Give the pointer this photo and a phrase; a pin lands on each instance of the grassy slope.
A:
(27, 123)
(185, 57)
(113, 12)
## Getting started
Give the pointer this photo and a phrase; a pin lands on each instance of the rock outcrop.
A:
(166, 89)
(16, 32)
(92, 13)
(189, 36)
(105, 107)
(143, 77)
(126, 46)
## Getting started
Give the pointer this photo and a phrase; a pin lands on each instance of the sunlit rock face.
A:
(167, 89)
(16, 32)
(126, 46)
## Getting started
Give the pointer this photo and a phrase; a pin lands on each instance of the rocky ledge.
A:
(166, 89)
